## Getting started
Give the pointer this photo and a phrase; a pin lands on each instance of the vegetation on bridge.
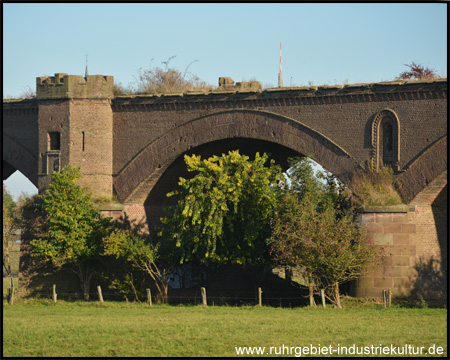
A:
(374, 188)
(157, 80)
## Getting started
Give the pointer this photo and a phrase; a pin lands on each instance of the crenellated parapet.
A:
(64, 86)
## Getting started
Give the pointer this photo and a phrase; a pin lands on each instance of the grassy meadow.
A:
(67, 329)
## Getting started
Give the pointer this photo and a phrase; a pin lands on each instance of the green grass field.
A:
(41, 328)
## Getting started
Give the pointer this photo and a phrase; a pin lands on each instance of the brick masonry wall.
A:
(22, 124)
(71, 118)
(415, 242)
(346, 120)
(141, 122)
(395, 232)
(54, 116)
(90, 144)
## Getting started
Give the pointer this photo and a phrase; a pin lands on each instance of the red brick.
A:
(401, 239)
(384, 218)
(392, 228)
(408, 228)
(400, 260)
(374, 228)
(399, 218)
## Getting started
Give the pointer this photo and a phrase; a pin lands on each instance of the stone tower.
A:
(75, 125)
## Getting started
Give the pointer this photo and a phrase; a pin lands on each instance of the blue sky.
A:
(322, 43)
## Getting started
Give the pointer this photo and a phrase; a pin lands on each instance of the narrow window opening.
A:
(54, 141)
(387, 132)
(387, 142)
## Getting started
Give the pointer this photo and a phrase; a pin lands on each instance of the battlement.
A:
(74, 86)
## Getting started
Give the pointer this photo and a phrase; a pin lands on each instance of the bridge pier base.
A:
(411, 270)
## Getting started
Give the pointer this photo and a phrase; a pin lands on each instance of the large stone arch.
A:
(135, 181)
(16, 157)
(428, 166)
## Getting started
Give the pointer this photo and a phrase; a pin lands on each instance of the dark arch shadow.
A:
(169, 180)
(157, 200)
(15, 157)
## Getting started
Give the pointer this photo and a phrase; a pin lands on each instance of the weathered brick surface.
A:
(416, 243)
(178, 123)
(54, 116)
(91, 143)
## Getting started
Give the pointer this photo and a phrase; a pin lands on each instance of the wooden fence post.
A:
(100, 296)
(203, 291)
(11, 295)
(54, 293)
(149, 297)
(259, 296)
(322, 295)
(384, 298)
(389, 297)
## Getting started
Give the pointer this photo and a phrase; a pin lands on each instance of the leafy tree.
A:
(155, 259)
(417, 72)
(10, 221)
(73, 228)
(314, 230)
(224, 211)
(331, 248)
(7, 227)
(8, 202)
(323, 187)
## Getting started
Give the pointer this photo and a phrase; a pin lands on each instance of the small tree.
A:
(327, 244)
(11, 221)
(73, 228)
(417, 72)
(8, 202)
(223, 213)
(168, 79)
(313, 229)
(156, 260)
(7, 227)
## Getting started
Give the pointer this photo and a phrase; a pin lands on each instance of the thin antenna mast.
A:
(280, 76)
(86, 71)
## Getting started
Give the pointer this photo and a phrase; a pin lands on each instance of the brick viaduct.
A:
(132, 147)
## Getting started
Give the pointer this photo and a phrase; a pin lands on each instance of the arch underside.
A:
(431, 165)
(135, 182)
(15, 157)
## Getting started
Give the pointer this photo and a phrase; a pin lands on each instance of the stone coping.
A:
(402, 208)
(109, 207)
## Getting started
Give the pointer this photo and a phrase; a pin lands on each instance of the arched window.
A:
(386, 140)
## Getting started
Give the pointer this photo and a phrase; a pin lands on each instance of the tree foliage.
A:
(417, 72)
(167, 79)
(323, 187)
(9, 203)
(313, 230)
(10, 221)
(73, 228)
(6, 260)
(224, 211)
(153, 258)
